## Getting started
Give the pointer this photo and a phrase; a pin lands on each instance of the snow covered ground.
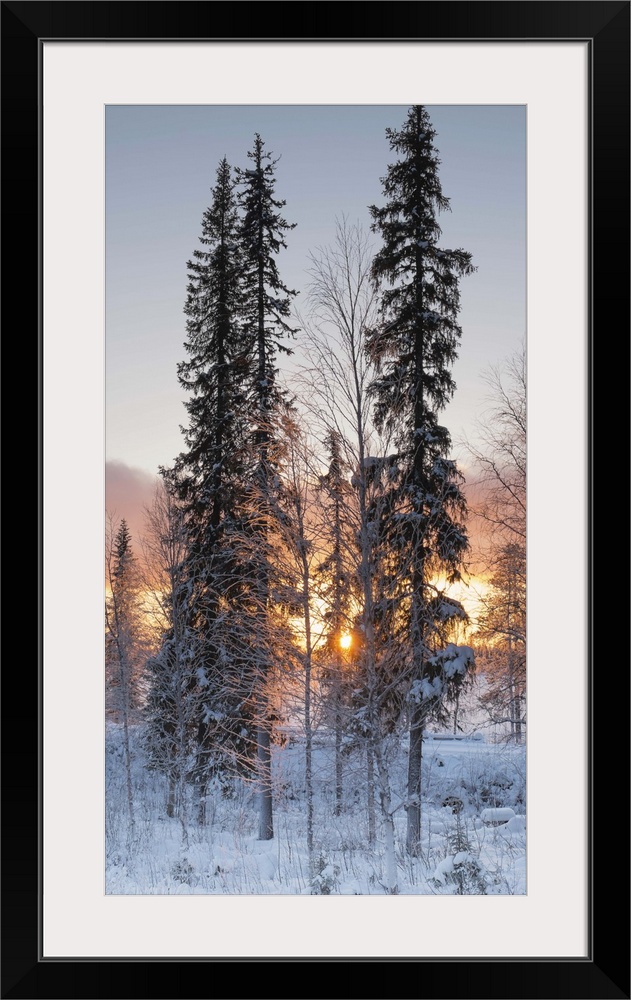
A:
(473, 820)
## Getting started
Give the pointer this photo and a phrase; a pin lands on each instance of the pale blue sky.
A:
(160, 166)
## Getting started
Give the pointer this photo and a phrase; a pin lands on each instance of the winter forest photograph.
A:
(315, 513)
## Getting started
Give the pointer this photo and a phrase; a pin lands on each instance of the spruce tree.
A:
(414, 347)
(217, 374)
(124, 643)
(124, 653)
(207, 479)
(268, 308)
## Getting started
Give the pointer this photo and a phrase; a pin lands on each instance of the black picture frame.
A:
(605, 26)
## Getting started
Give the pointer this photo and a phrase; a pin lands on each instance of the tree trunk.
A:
(391, 864)
(309, 786)
(415, 753)
(385, 800)
(202, 790)
(338, 754)
(171, 797)
(308, 742)
(125, 701)
(413, 835)
(264, 761)
(372, 824)
(517, 715)
(456, 707)
(130, 789)
(184, 815)
(511, 709)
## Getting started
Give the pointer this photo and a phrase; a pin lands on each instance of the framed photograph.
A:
(567, 66)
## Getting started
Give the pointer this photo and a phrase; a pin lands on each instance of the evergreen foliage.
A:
(414, 347)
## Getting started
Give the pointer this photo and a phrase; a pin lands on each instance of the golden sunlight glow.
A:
(346, 640)
(471, 594)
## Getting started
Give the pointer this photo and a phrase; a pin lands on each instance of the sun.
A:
(346, 640)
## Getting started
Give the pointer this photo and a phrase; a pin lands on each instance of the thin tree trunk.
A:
(130, 788)
(514, 698)
(309, 784)
(184, 814)
(338, 753)
(385, 800)
(517, 717)
(415, 752)
(171, 797)
(202, 790)
(391, 865)
(264, 760)
(182, 752)
(309, 789)
(413, 835)
(372, 824)
(456, 707)
(308, 729)
(337, 613)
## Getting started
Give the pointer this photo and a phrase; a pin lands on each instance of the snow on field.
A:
(473, 821)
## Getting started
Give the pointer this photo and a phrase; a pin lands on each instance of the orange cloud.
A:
(127, 491)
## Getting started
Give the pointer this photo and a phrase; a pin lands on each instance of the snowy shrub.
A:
(325, 879)
(183, 871)
(463, 873)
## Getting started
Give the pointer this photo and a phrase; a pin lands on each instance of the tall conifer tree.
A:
(268, 307)
(208, 478)
(414, 347)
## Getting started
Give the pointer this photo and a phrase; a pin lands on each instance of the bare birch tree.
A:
(500, 508)
(342, 309)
